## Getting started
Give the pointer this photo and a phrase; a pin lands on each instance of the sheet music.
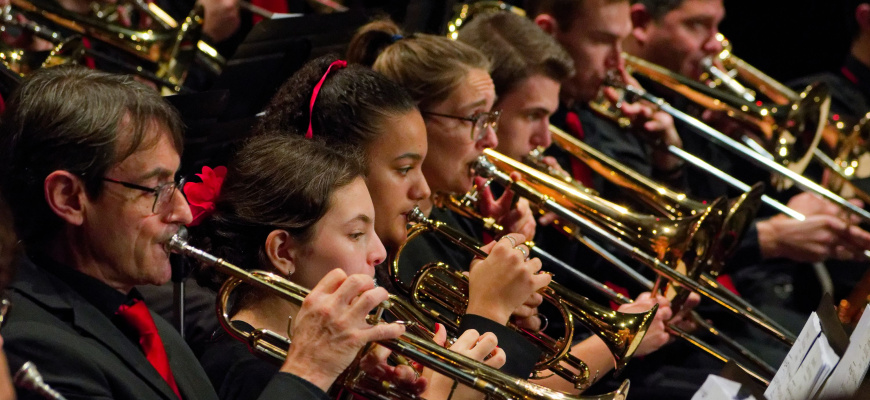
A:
(850, 372)
(780, 382)
(719, 388)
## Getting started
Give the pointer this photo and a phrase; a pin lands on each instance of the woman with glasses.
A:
(354, 105)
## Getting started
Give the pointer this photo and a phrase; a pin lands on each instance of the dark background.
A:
(788, 39)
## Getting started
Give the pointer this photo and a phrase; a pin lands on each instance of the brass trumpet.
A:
(464, 370)
(448, 288)
(546, 192)
(464, 206)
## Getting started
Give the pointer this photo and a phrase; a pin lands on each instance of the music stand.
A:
(274, 50)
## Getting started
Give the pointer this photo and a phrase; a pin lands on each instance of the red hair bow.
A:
(202, 196)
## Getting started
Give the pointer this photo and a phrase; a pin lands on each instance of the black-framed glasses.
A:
(163, 193)
(479, 122)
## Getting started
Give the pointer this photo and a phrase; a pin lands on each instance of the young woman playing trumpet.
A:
(297, 208)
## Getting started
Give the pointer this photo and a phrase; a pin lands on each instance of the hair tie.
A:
(337, 63)
(202, 196)
(395, 38)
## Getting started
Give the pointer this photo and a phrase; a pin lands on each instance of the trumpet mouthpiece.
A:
(416, 215)
(176, 243)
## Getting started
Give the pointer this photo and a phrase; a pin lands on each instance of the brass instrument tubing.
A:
(751, 156)
(487, 170)
(619, 298)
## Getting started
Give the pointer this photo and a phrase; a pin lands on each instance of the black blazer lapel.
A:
(52, 293)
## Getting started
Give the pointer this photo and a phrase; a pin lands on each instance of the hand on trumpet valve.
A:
(505, 280)
(333, 316)
(526, 315)
(515, 216)
(472, 345)
(657, 334)
(405, 377)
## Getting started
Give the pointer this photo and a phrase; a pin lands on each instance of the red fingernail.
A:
(437, 327)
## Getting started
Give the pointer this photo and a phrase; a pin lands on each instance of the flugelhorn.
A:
(445, 286)
(549, 201)
(464, 206)
(464, 370)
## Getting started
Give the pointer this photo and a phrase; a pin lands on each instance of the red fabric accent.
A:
(89, 61)
(618, 289)
(140, 319)
(202, 196)
(849, 75)
(487, 237)
(727, 283)
(275, 6)
(579, 170)
(2, 105)
(338, 64)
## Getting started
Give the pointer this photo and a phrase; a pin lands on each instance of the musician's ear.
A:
(66, 196)
(640, 22)
(282, 250)
(547, 23)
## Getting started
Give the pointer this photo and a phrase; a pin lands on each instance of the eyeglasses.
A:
(479, 122)
(163, 193)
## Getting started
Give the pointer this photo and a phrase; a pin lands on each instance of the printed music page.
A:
(719, 388)
(850, 372)
(778, 385)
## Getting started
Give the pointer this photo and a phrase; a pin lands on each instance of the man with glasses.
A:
(88, 167)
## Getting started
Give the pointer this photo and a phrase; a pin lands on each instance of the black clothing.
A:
(521, 354)
(82, 354)
(850, 88)
(238, 374)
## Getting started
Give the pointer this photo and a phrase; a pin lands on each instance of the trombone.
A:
(464, 206)
(818, 97)
(448, 288)
(554, 201)
(738, 214)
(848, 145)
(464, 370)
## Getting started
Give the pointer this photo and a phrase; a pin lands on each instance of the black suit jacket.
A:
(82, 355)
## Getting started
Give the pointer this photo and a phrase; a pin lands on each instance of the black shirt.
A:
(102, 296)
(238, 374)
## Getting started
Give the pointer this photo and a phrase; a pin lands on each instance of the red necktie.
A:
(579, 170)
(140, 319)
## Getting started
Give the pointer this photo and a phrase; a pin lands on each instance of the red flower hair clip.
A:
(202, 196)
